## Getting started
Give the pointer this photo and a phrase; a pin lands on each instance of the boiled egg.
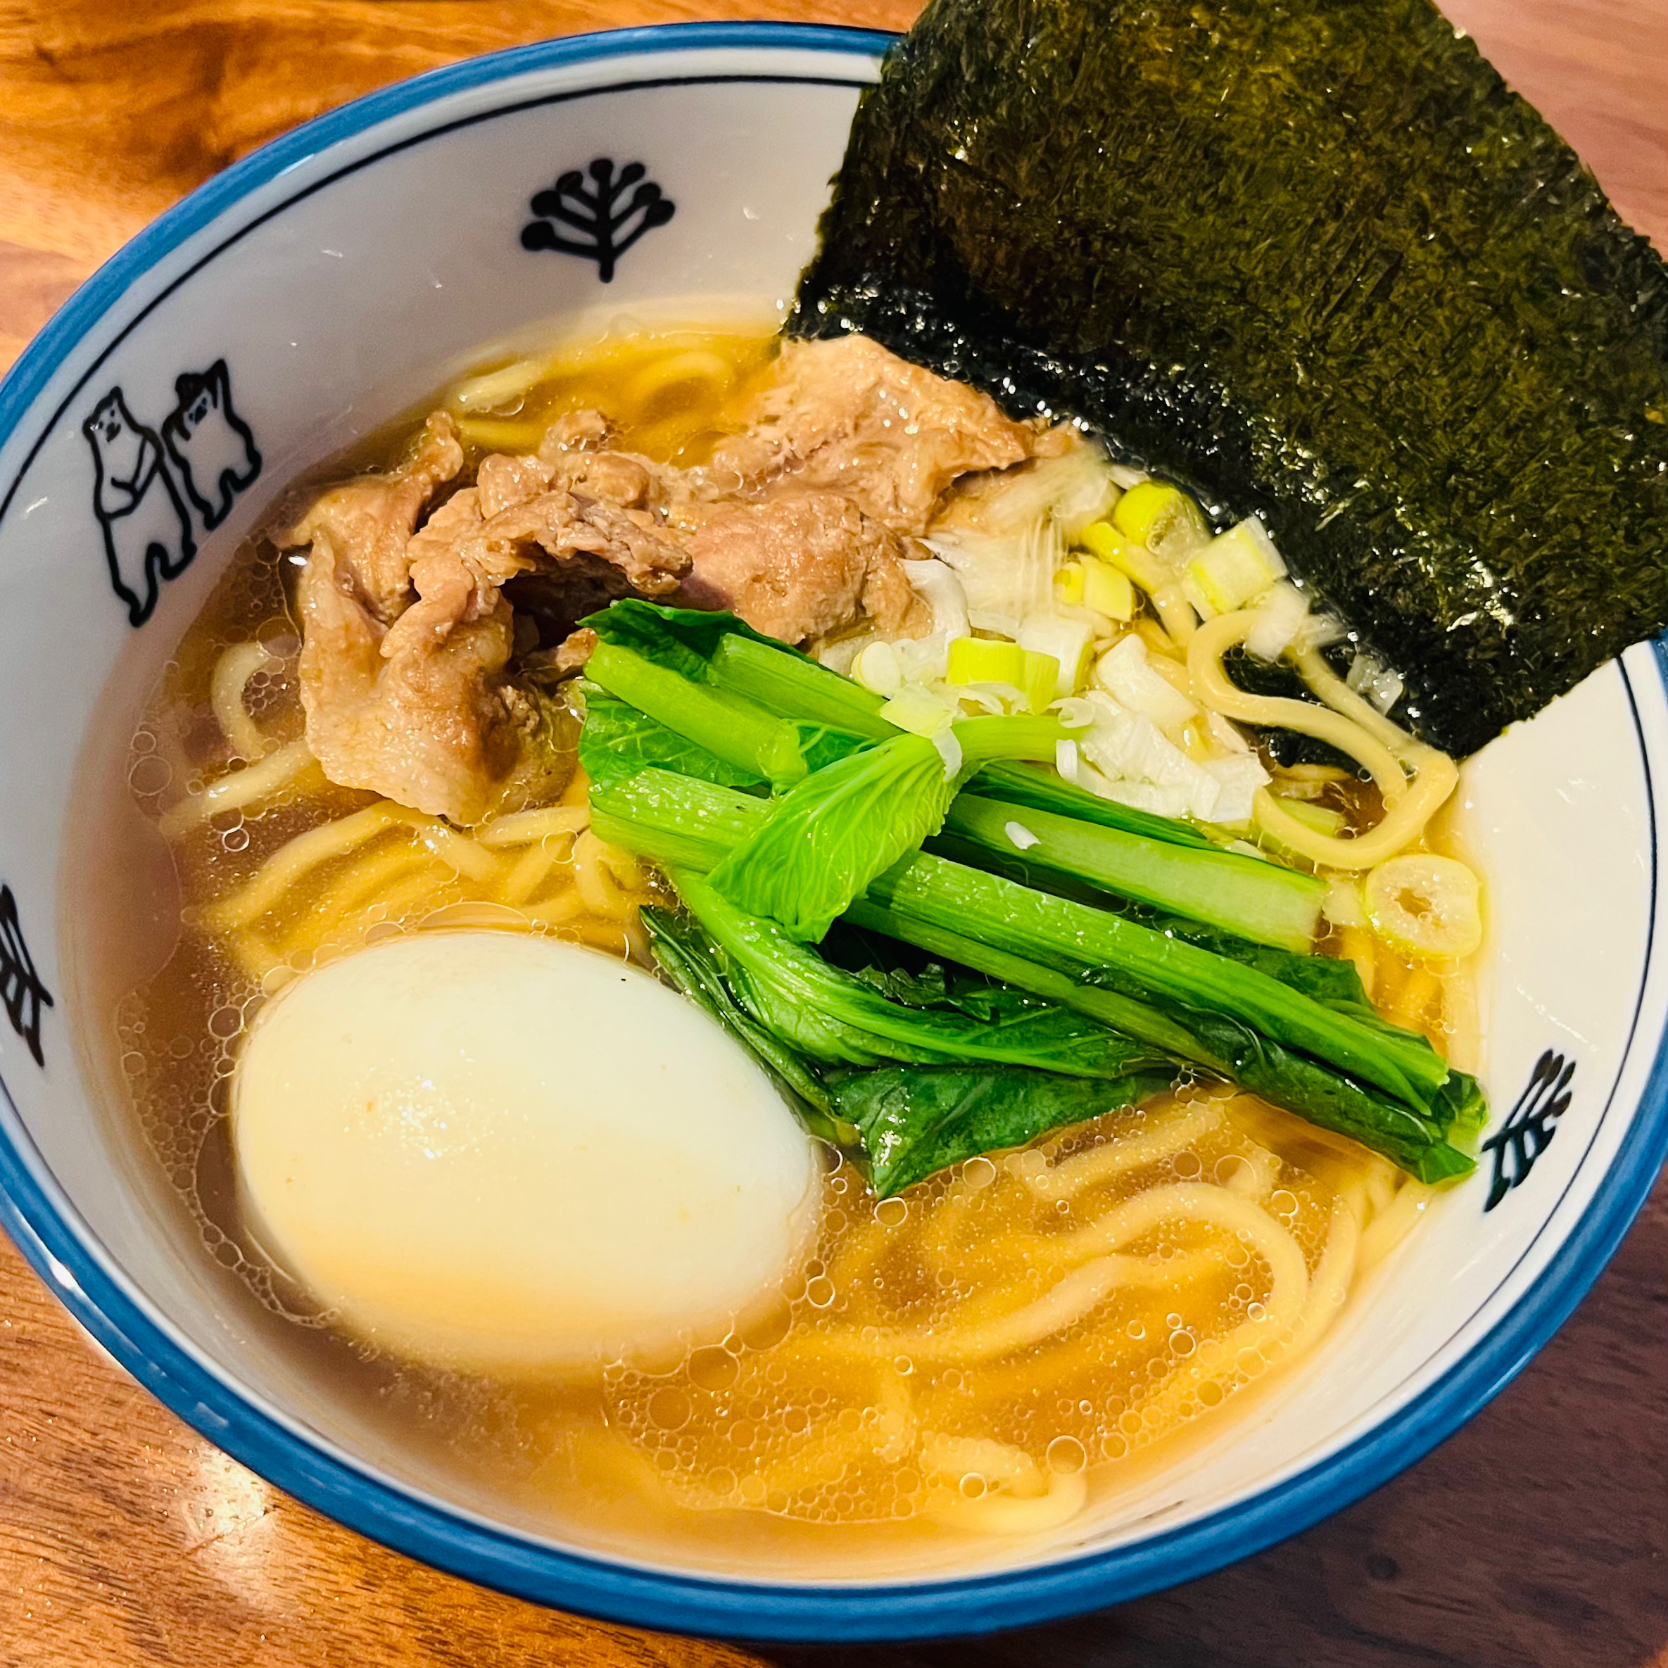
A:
(499, 1152)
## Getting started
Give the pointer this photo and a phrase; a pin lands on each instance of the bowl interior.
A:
(322, 288)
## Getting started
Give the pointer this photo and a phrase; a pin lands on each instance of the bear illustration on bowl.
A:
(153, 492)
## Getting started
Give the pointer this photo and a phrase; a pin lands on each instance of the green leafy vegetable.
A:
(837, 1019)
(1024, 784)
(1432, 1145)
(1063, 991)
(618, 741)
(1188, 1014)
(993, 739)
(747, 738)
(744, 736)
(1257, 900)
(675, 821)
(687, 958)
(1151, 967)
(719, 649)
(905, 1122)
(792, 684)
(834, 832)
(1317, 262)
(684, 640)
(915, 1120)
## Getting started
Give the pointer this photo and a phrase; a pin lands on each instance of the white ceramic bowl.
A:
(324, 284)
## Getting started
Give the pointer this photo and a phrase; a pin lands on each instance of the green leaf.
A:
(948, 911)
(909, 1121)
(690, 960)
(744, 736)
(1422, 1143)
(916, 1120)
(835, 1018)
(618, 741)
(834, 832)
(1152, 967)
(792, 684)
(675, 821)
(683, 640)
(719, 649)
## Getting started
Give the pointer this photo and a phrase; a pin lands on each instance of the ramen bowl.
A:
(315, 291)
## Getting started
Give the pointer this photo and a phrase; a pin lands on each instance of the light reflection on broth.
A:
(976, 1358)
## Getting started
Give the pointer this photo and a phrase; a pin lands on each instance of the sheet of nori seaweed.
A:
(1313, 260)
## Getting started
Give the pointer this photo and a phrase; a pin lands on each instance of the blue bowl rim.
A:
(58, 1245)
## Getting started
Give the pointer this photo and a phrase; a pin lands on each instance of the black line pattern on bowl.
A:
(600, 227)
(21, 989)
(154, 493)
(1528, 1132)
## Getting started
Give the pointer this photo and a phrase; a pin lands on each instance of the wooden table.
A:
(1536, 1538)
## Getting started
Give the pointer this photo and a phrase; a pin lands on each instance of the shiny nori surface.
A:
(1312, 259)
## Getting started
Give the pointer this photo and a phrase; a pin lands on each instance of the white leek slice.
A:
(1370, 677)
(1124, 673)
(1144, 768)
(1238, 781)
(1225, 733)
(918, 710)
(923, 659)
(877, 669)
(1342, 905)
(1070, 641)
(1281, 613)
(842, 655)
(948, 744)
(1235, 568)
(943, 593)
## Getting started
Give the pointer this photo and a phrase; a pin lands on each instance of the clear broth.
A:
(858, 1428)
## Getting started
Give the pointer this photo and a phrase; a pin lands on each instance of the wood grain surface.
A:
(1535, 1538)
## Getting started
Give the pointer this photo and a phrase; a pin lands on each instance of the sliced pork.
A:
(415, 630)
(407, 635)
(850, 416)
(801, 565)
(366, 523)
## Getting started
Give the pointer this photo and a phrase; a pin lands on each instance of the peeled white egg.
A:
(504, 1153)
